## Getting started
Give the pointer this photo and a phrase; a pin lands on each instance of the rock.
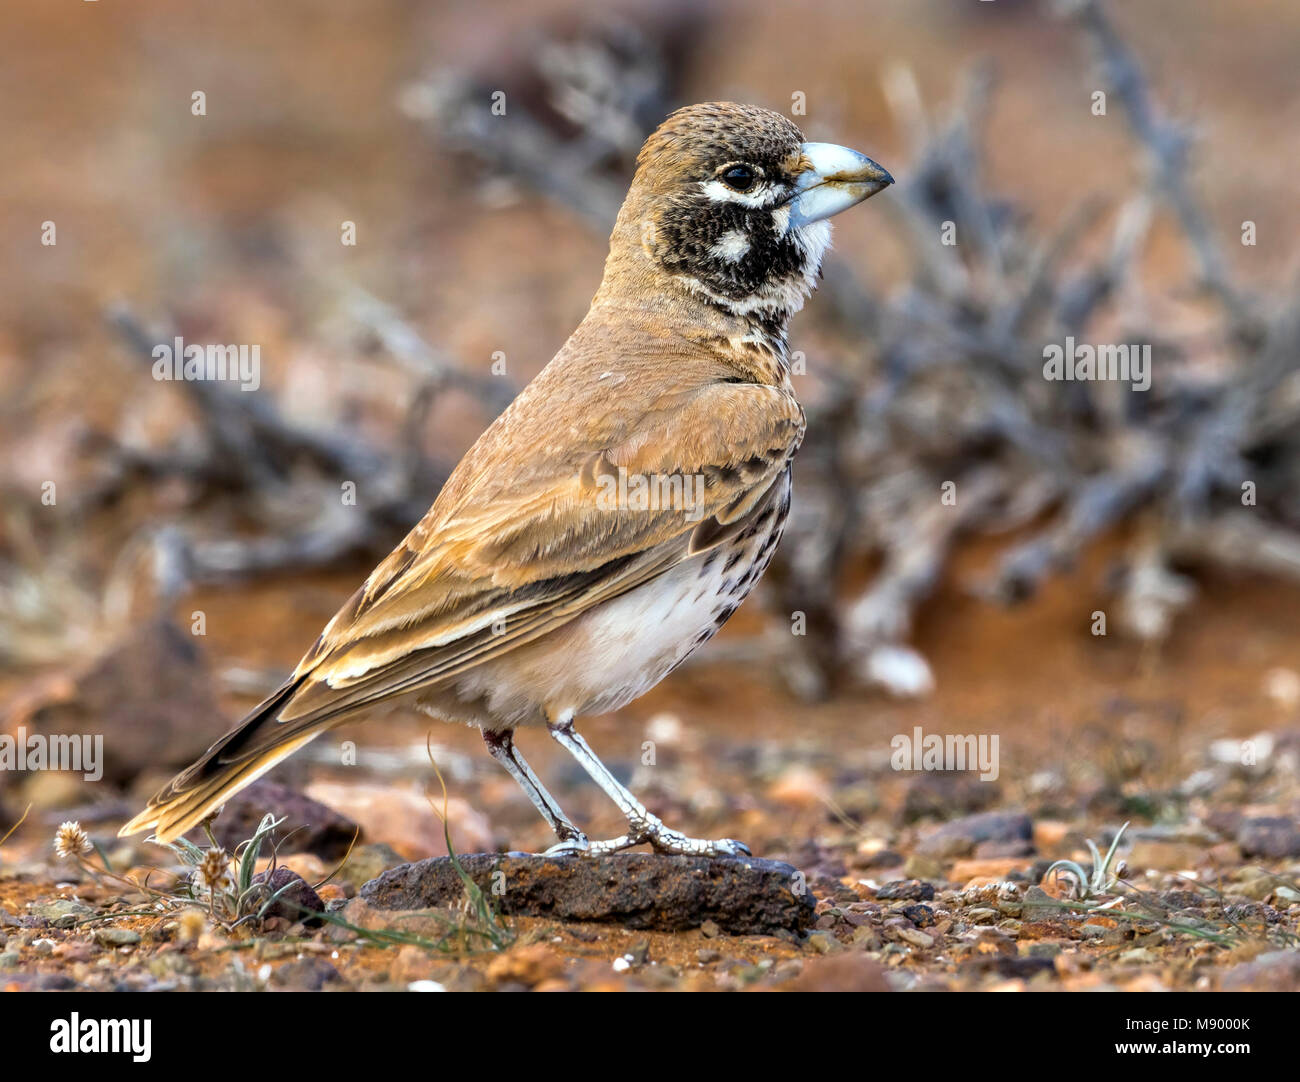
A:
(919, 866)
(1271, 837)
(1241, 912)
(47, 790)
(306, 974)
(332, 892)
(960, 837)
(297, 902)
(845, 971)
(911, 890)
(1276, 971)
(1050, 834)
(1000, 850)
(9, 960)
(1183, 899)
(1193, 833)
(1164, 855)
(62, 912)
(405, 818)
(938, 795)
(309, 826)
(920, 915)
(413, 963)
(151, 695)
(1039, 905)
(914, 936)
(116, 937)
(367, 862)
(1258, 889)
(528, 965)
(822, 942)
(878, 857)
(1225, 821)
(978, 873)
(1009, 966)
(743, 896)
(800, 787)
(1224, 855)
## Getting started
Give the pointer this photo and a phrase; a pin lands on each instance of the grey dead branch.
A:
(941, 381)
(936, 379)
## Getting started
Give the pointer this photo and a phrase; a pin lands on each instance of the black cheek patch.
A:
(690, 231)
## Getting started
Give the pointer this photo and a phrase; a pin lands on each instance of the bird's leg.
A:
(501, 746)
(644, 827)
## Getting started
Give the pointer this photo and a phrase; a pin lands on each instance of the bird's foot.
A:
(675, 842)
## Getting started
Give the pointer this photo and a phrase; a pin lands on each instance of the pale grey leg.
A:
(502, 748)
(644, 826)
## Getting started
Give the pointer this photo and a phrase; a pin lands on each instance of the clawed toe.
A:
(680, 845)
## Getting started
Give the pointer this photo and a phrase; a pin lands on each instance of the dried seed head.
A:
(213, 872)
(71, 840)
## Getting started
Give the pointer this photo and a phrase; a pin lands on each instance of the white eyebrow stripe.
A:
(720, 193)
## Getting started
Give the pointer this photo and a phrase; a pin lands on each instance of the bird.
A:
(619, 510)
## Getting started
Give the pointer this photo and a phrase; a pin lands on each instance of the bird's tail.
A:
(240, 757)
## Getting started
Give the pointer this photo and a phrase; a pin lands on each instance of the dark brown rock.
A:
(743, 896)
(309, 826)
(1270, 836)
(297, 903)
(1183, 899)
(151, 695)
(935, 795)
(306, 975)
(912, 890)
(999, 833)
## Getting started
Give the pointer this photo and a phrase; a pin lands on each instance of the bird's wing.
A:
(477, 577)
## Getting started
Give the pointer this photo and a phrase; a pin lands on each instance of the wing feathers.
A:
(491, 568)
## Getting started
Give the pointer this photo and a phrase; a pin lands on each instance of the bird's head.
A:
(732, 202)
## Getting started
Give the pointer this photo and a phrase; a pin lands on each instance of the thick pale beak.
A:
(836, 179)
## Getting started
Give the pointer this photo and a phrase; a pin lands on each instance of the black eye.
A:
(739, 177)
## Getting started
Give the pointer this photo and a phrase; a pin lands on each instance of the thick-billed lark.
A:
(617, 513)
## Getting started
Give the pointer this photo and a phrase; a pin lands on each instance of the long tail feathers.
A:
(244, 754)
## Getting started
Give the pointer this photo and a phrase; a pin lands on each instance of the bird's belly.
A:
(608, 656)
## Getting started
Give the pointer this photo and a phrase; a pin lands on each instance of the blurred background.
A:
(195, 539)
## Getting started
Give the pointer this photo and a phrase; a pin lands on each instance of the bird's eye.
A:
(739, 178)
